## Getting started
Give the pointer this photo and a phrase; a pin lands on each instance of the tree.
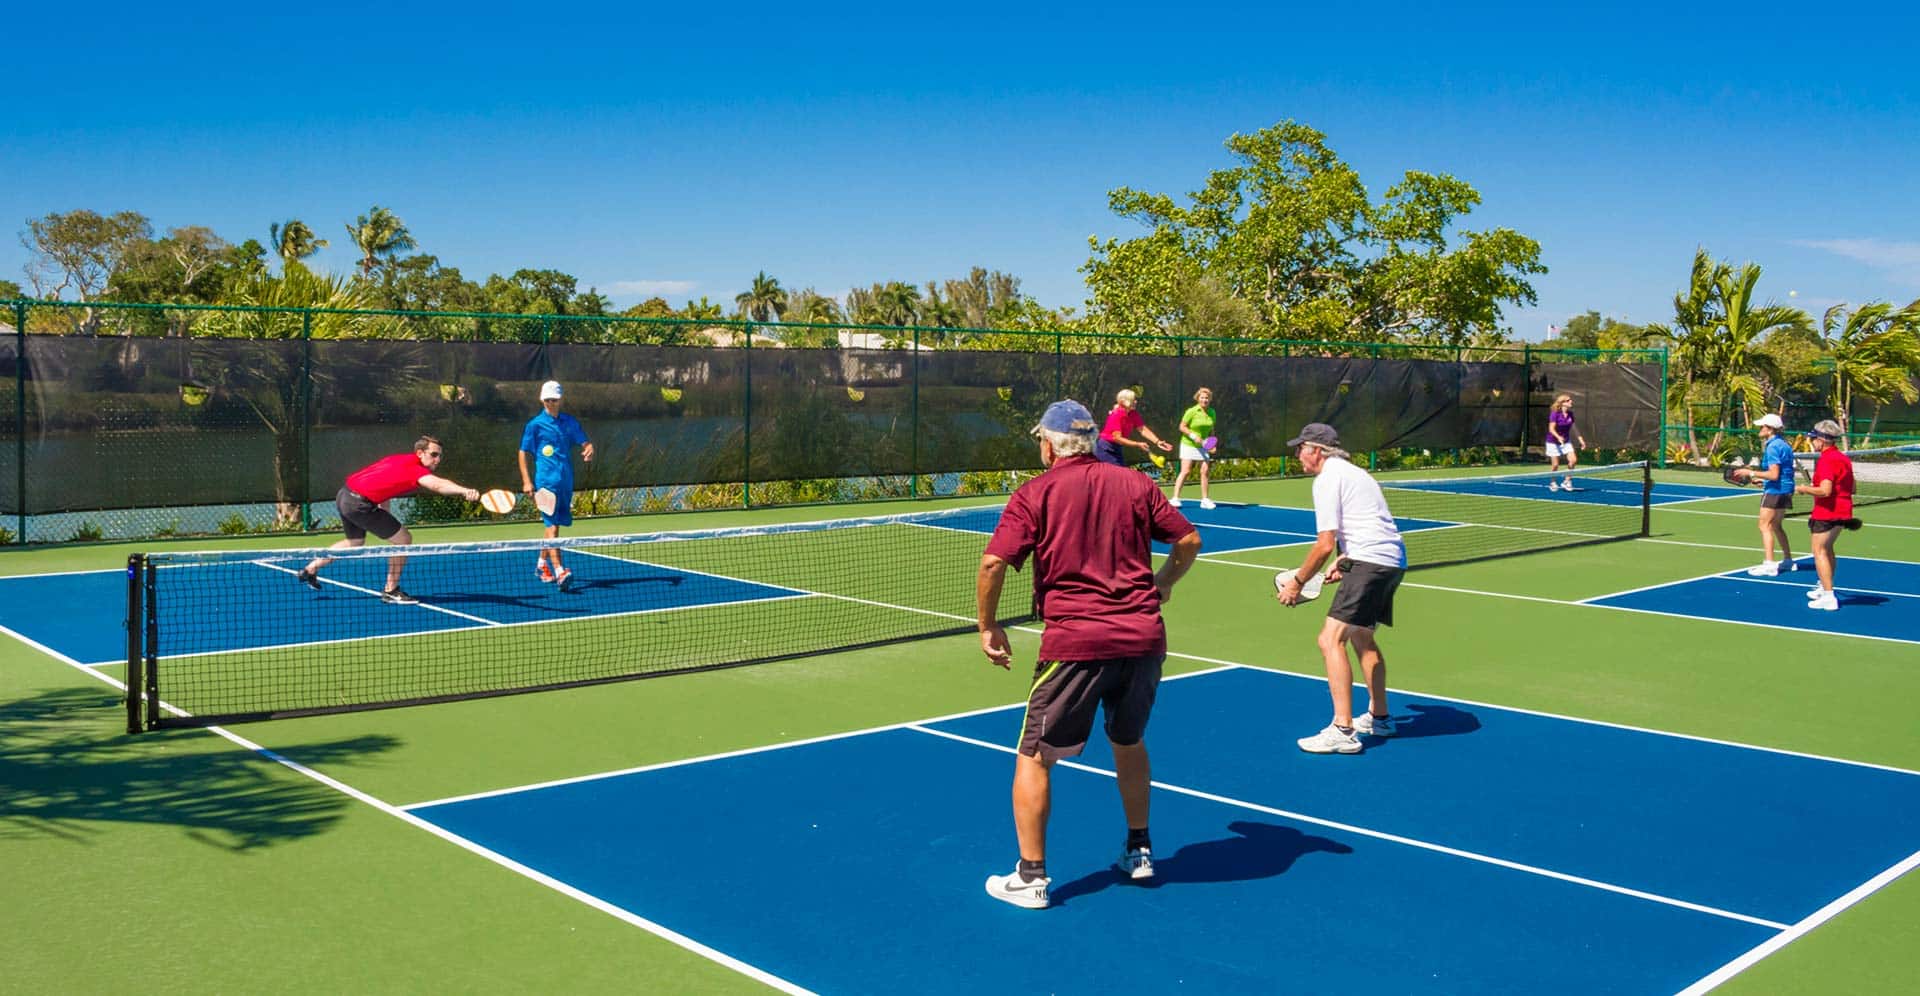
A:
(765, 301)
(1874, 351)
(379, 234)
(1746, 371)
(1291, 232)
(294, 241)
(191, 264)
(1692, 338)
(420, 283)
(10, 291)
(81, 251)
(653, 307)
(530, 292)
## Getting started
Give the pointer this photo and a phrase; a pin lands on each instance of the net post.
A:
(150, 665)
(1646, 498)
(135, 650)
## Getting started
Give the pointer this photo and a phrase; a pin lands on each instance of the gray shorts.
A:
(1781, 502)
(1066, 694)
(358, 516)
(1365, 598)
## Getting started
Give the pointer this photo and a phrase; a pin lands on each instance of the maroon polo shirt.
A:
(1089, 527)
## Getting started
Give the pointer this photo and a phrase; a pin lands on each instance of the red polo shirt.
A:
(1834, 466)
(388, 477)
(1089, 527)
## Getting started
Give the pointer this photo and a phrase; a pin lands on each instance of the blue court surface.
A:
(1482, 849)
(1878, 598)
(1588, 491)
(81, 615)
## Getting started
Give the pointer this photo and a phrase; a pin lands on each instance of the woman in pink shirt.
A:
(1122, 422)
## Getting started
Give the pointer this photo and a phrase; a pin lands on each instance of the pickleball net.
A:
(228, 636)
(1457, 520)
(1881, 475)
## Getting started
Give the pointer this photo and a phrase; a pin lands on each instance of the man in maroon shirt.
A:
(363, 509)
(1089, 527)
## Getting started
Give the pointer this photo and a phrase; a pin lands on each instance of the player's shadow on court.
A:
(1430, 720)
(1850, 598)
(1256, 850)
(69, 771)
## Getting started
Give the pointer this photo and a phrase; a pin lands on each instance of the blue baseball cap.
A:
(1067, 416)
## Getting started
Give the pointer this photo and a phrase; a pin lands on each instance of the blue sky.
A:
(680, 150)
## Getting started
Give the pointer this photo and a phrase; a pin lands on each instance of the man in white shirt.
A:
(1351, 516)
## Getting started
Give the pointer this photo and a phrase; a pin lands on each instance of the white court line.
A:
(483, 621)
(1798, 930)
(1870, 524)
(671, 936)
(1795, 584)
(1388, 837)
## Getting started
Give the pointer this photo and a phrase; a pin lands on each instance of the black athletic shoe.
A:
(394, 596)
(309, 579)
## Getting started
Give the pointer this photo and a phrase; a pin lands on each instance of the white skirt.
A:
(1188, 451)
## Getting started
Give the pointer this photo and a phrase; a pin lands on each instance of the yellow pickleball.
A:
(546, 450)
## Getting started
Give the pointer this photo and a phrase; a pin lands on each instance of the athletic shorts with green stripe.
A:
(1066, 694)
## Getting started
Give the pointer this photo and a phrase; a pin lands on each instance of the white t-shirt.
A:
(1348, 502)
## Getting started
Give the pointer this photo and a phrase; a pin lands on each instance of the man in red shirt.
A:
(1089, 528)
(1832, 491)
(1122, 422)
(363, 509)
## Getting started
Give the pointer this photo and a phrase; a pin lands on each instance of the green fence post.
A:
(746, 420)
(20, 416)
(1526, 396)
(306, 420)
(913, 450)
(1059, 369)
(1661, 448)
(1373, 403)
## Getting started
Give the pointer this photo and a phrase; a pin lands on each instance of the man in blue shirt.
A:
(549, 439)
(1775, 477)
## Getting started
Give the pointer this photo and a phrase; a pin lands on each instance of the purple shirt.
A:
(1560, 423)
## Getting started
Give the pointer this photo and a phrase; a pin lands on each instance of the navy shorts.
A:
(1066, 694)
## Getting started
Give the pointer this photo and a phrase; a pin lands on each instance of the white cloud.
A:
(651, 288)
(1900, 260)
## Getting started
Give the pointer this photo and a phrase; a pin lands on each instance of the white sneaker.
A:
(1136, 864)
(1553, 485)
(1764, 569)
(1330, 741)
(1827, 602)
(1175, 502)
(1010, 888)
(1816, 592)
(1206, 503)
(1368, 724)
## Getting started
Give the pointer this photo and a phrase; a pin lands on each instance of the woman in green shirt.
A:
(1195, 426)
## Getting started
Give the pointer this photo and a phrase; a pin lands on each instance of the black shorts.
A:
(358, 516)
(1365, 596)
(1782, 502)
(1067, 693)
(1818, 526)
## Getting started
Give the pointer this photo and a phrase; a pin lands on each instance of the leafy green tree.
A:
(1291, 231)
(530, 292)
(379, 235)
(294, 241)
(80, 252)
(10, 291)
(704, 310)
(1874, 351)
(653, 307)
(765, 301)
(420, 283)
(592, 302)
(897, 303)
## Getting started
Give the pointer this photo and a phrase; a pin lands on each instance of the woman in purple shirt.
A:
(1563, 439)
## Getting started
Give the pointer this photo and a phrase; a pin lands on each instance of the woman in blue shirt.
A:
(1775, 478)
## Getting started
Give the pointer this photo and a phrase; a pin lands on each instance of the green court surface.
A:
(276, 859)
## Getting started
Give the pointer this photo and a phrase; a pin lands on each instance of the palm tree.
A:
(814, 308)
(294, 241)
(1744, 371)
(898, 303)
(1874, 350)
(379, 233)
(765, 301)
(1691, 337)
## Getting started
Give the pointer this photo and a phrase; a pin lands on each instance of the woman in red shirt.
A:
(1832, 491)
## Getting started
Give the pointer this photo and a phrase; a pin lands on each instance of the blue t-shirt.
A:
(1778, 454)
(551, 441)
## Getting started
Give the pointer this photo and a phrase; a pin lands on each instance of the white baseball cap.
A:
(1770, 420)
(550, 391)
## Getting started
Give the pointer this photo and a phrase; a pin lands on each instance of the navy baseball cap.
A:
(1066, 416)
(1317, 433)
